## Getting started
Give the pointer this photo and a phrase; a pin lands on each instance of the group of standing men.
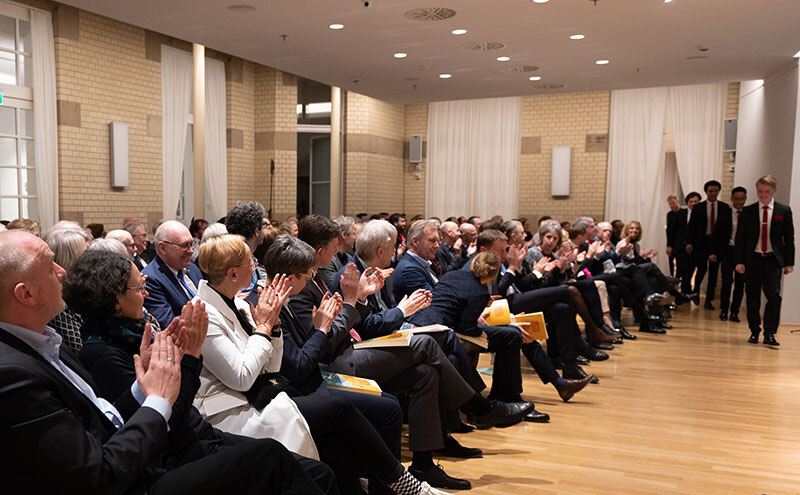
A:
(753, 245)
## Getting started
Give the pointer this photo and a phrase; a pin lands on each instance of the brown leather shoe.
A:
(573, 387)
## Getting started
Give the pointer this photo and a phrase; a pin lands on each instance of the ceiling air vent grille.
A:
(519, 68)
(548, 86)
(483, 46)
(430, 14)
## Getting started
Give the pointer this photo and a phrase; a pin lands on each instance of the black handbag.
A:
(266, 387)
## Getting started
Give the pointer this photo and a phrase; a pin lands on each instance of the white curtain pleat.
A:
(473, 157)
(697, 114)
(176, 94)
(636, 171)
(45, 129)
(216, 167)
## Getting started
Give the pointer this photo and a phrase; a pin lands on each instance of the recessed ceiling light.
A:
(336, 27)
(540, 1)
(535, 78)
(503, 59)
(459, 31)
(667, 1)
(445, 76)
(601, 62)
(576, 37)
(400, 55)
(241, 8)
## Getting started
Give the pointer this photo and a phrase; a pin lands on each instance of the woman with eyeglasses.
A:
(245, 341)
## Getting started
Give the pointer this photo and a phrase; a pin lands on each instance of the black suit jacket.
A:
(720, 236)
(446, 257)
(676, 229)
(781, 234)
(55, 440)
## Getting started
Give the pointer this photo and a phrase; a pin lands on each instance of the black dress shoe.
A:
(502, 414)
(572, 387)
(537, 417)
(734, 318)
(626, 335)
(436, 477)
(708, 305)
(454, 449)
(769, 339)
(654, 298)
(650, 328)
(653, 318)
(663, 323)
(582, 360)
(723, 315)
(753, 338)
(602, 346)
(685, 298)
(592, 354)
(696, 299)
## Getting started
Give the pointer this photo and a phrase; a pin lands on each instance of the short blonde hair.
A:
(31, 226)
(219, 253)
(768, 180)
(485, 265)
(628, 227)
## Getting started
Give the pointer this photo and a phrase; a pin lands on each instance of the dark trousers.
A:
(556, 304)
(505, 342)
(672, 260)
(685, 269)
(763, 273)
(347, 442)
(540, 362)
(730, 278)
(705, 266)
(383, 413)
(256, 467)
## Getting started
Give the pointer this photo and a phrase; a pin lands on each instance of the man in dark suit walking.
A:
(764, 250)
(709, 231)
(672, 223)
(729, 277)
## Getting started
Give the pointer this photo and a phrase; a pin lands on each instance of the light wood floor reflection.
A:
(696, 411)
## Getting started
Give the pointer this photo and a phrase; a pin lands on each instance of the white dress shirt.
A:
(734, 224)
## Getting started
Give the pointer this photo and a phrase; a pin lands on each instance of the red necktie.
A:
(764, 231)
(713, 217)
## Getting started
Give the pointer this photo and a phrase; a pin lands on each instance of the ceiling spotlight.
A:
(667, 1)
(459, 31)
(797, 55)
(540, 1)
(601, 62)
(445, 76)
(576, 36)
(336, 27)
(400, 55)
(535, 78)
(503, 59)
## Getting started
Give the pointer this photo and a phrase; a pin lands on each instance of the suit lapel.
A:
(174, 285)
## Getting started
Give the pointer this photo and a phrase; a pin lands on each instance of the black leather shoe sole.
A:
(582, 360)
(723, 316)
(603, 346)
(734, 318)
(753, 339)
(537, 417)
(770, 340)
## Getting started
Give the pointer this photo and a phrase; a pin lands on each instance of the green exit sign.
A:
(1, 98)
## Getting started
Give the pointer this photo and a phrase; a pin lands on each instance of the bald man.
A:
(126, 239)
(172, 279)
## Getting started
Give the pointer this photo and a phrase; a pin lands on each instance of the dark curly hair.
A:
(245, 219)
(91, 287)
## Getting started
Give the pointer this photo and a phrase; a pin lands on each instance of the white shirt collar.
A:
(771, 204)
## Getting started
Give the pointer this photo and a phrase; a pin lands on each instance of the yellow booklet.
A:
(399, 339)
(436, 327)
(337, 381)
(499, 314)
(478, 341)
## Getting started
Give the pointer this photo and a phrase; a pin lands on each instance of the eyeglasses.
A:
(141, 288)
(183, 245)
(253, 263)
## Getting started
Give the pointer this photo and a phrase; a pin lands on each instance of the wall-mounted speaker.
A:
(118, 140)
(415, 149)
(730, 127)
(562, 156)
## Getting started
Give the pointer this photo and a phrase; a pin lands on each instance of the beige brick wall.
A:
(374, 165)
(106, 72)
(414, 197)
(241, 116)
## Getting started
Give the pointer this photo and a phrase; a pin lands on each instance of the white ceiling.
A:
(647, 41)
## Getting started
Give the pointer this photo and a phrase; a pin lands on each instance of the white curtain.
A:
(216, 167)
(176, 94)
(473, 157)
(636, 171)
(697, 113)
(45, 129)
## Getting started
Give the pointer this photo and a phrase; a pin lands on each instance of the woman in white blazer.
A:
(244, 342)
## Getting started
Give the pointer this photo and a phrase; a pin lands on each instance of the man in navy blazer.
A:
(172, 279)
(763, 258)
(416, 269)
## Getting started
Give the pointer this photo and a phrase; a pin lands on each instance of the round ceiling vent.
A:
(430, 14)
(548, 86)
(483, 46)
(519, 68)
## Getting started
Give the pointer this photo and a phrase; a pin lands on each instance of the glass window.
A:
(26, 153)
(8, 182)
(25, 71)
(8, 151)
(9, 208)
(25, 36)
(8, 121)
(313, 102)
(7, 32)
(25, 122)
(8, 68)
(27, 181)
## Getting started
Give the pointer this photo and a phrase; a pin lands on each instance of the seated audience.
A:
(452, 251)
(172, 279)
(196, 228)
(31, 226)
(126, 239)
(98, 230)
(418, 269)
(347, 239)
(113, 447)
(145, 251)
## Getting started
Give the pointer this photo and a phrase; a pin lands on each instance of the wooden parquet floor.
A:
(696, 411)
